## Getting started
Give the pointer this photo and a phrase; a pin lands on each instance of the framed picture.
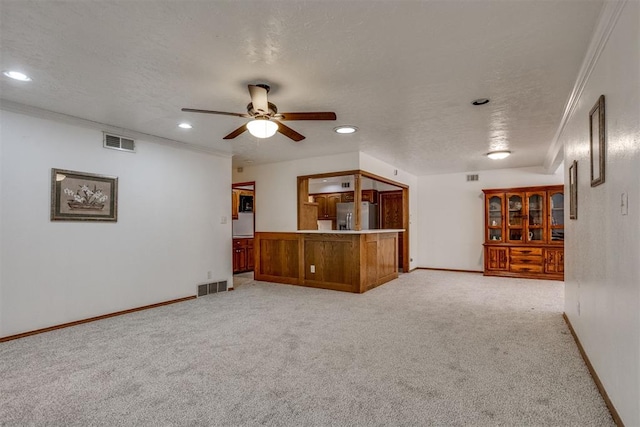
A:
(597, 142)
(81, 196)
(573, 190)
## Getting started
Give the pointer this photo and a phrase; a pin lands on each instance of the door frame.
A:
(238, 186)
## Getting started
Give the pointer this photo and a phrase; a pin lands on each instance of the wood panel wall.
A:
(342, 262)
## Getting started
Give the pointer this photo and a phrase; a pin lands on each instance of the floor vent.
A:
(121, 143)
(212, 288)
(473, 177)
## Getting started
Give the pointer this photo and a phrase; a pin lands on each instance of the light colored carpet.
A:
(241, 279)
(431, 348)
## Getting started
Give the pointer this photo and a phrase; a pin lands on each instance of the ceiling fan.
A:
(266, 119)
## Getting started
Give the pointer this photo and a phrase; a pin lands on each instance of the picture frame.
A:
(82, 196)
(597, 142)
(573, 190)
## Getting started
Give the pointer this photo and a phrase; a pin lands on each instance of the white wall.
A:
(602, 245)
(167, 238)
(451, 209)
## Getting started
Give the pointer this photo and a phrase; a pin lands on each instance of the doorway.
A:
(243, 197)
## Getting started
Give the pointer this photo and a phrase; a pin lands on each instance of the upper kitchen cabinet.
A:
(524, 232)
(327, 204)
(370, 196)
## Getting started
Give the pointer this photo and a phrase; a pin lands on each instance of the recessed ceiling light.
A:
(480, 101)
(499, 155)
(16, 75)
(185, 126)
(345, 129)
(325, 180)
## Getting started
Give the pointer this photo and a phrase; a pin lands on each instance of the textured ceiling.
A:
(404, 72)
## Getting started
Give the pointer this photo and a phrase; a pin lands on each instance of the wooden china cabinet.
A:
(524, 232)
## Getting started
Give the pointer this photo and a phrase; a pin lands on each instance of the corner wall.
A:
(167, 238)
(451, 210)
(602, 272)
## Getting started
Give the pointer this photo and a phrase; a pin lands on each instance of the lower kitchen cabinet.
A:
(243, 258)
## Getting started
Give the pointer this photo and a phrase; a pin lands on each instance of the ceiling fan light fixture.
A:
(346, 129)
(499, 155)
(262, 128)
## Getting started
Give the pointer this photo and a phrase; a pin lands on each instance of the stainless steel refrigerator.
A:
(369, 219)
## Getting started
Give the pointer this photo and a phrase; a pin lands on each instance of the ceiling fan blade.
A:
(193, 110)
(236, 132)
(259, 99)
(327, 115)
(290, 133)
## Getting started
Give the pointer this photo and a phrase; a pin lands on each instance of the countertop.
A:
(386, 230)
(242, 236)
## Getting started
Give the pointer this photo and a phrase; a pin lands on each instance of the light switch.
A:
(313, 268)
(624, 204)
(223, 220)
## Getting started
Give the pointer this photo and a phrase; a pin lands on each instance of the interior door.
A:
(391, 216)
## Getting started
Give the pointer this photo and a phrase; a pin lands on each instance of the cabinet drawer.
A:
(527, 259)
(239, 242)
(526, 268)
(526, 251)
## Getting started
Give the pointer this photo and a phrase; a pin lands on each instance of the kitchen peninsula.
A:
(342, 260)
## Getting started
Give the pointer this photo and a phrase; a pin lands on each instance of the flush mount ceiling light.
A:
(16, 75)
(345, 129)
(480, 101)
(185, 126)
(262, 128)
(499, 155)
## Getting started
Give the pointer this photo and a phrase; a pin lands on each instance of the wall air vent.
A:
(472, 177)
(121, 143)
(212, 288)
(203, 290)
(346, 185)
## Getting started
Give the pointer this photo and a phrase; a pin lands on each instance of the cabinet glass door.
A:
(515, 226)
(535, 217)
(494, 218)
(556, 217)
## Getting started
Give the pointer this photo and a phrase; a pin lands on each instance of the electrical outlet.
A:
(209, 275)
(313, 268)
(223, 220)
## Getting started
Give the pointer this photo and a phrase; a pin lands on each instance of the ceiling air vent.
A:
(472, 177)
(121, 143)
